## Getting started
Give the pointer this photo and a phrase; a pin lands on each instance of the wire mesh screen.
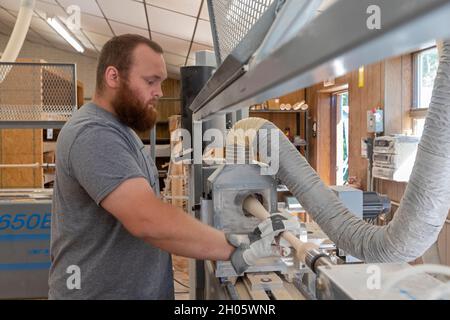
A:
(37, 91)
(231, 20)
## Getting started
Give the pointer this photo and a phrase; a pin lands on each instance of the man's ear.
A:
(112, 79)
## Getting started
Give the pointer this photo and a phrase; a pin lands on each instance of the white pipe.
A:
(20, 31)
(423, 209)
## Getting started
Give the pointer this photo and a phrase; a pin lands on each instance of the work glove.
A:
(260, 243)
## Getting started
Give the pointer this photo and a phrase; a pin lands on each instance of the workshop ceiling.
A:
(179, 26)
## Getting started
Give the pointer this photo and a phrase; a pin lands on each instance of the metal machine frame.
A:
(305, 60)
(328, 46)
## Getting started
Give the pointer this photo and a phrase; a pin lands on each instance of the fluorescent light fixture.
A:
(64, 32)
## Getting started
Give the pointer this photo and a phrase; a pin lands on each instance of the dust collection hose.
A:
(423, 209)
(20, 31)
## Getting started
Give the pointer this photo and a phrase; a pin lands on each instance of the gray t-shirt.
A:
(95, 153)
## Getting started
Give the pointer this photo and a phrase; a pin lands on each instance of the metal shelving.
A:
(37, 95)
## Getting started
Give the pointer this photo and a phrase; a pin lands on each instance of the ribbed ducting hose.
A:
(20, 31)
(423, 209)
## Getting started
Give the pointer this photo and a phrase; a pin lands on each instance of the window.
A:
(418, 126)
(426, 63)
(342, 148)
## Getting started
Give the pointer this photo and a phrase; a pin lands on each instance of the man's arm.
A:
(162, 225)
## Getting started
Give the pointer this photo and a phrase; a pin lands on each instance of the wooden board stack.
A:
(176, 183)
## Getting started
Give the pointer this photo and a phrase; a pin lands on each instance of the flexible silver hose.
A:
(423, 209)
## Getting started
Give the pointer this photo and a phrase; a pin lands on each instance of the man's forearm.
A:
(181, 234)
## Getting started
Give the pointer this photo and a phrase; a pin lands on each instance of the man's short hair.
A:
(118, 53)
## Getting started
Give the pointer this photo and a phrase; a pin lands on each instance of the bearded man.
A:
(111, 234)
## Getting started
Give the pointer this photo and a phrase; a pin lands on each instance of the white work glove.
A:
(260, 243)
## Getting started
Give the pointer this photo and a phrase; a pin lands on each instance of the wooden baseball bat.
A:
(254, 207)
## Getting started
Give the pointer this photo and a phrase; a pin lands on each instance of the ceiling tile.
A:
(190, 62)
(46, 9)
(41, 26)
(7, 18)
(65, 47)
(198, 47)
(173, 69)
(189, 7)
(126, 11)
(10, 4)
(86, 6)
(98, 39)
(91, 53)
(170, 44)
(95, 24)
(84, 40)
(203, 33)
(6, 28)
(55, 39)
(48, 1)
(174, 59)
(204, 14)
(120, 28)
(170, 23)
(34, 37)
(48, 33)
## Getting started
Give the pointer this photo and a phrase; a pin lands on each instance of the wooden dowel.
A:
(254, 207)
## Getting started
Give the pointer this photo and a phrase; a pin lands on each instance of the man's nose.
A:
(158, 93)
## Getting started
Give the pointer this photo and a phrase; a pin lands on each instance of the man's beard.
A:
(132, 112)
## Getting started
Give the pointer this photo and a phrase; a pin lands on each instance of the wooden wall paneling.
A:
(401, 188)
(394, 190)
(22, 146)
(374, 100)
(310, 97)
(171, 88)
(362, 132)
(80, 93)
(366, 104)
(281, 120)
(38, 157)
(355, 125)
(443, 244)
(407, 91)
(319, 100)
(388, 85)
(293, 97)
(324, 136)
(393, 96)
(360, 100)
(286, 121)
(398, 78)
(447, 237)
